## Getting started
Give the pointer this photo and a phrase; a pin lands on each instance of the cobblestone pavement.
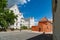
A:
(17, 35)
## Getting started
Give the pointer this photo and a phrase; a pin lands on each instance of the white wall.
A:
(16, 12)
(32, 23)
(29, 23)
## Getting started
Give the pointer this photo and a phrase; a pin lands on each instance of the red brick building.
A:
(43, 26)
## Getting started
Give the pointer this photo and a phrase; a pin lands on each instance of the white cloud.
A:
(50, 19)
(13, 2)
(23, 2)
(28, 0)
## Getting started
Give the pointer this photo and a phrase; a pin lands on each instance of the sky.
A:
(34, 8)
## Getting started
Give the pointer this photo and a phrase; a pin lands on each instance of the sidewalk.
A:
(30, 31)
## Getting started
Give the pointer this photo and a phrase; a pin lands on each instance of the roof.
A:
(44, 19)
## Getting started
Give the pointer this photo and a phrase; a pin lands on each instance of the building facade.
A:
(21, 21)
(29, 22)
(56, 19)
(43, 26)
(14, 8)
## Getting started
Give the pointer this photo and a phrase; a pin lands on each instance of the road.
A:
(17, 35)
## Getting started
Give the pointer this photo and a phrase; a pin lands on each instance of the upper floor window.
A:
(15, 9)
(22, 18)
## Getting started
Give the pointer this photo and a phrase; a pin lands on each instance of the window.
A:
(16, 24)
(22, 18)
(15, 9)
(20, 24)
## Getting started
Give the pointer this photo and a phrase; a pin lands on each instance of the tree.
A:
(7, 17)
(23, 27)
(3, 4)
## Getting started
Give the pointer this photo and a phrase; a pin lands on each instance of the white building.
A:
(14, 8)
(29, 22)
(21, 21)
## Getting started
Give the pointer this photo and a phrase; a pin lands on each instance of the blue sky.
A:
(34, 8)
(37, 9)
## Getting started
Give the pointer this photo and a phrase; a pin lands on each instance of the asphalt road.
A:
(17, 35)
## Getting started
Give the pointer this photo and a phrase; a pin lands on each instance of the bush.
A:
(12, 29)
(23, 27)
(3, 29)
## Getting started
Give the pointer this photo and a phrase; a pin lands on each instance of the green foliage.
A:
(7, 16)
(10, 17)
(23, 27)
(3, 4)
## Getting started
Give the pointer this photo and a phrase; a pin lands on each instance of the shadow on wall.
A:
(42, 37)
